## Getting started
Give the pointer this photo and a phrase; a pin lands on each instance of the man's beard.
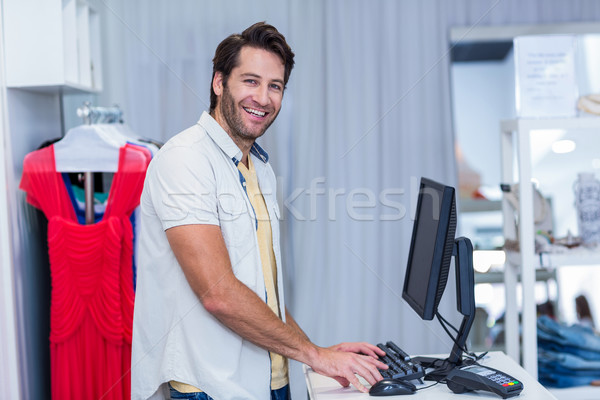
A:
(232, 115)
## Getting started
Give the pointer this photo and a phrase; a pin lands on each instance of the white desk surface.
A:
(324, 388)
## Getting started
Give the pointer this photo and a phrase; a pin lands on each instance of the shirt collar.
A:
(259, 152)
(222, 139)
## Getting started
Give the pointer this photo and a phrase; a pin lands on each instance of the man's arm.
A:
(203, 256)
(359, 348)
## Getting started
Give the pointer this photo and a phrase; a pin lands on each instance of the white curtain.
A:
(367, 112)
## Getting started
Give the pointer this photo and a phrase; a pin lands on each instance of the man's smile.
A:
(255, 112)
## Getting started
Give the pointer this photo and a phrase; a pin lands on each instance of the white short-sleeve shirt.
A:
(193, 179)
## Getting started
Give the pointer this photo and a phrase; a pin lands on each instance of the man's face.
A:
(251, 98)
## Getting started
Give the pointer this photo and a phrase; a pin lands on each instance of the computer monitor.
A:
(431, 249)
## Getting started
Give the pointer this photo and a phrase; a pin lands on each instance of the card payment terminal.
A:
(478, 377)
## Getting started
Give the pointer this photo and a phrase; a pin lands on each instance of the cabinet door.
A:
(52, 44)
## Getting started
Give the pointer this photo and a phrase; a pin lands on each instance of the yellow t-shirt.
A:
(279, 364)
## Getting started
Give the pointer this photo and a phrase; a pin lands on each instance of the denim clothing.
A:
(176, 395)
(558, 369)
(560, 380)
(585, 354)
(279, 394)
(567, 355)
(568, 363)
(575, 335)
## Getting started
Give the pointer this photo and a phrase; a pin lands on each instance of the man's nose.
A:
(261, 95)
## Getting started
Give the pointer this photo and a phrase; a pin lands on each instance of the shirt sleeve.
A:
(182, 187)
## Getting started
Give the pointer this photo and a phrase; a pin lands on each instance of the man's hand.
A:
(343, 361)
(367, 349)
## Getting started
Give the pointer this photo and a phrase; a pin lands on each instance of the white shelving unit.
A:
(576, 393)
(52, 46)
(517, 133)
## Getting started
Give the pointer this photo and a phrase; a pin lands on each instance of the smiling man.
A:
(210, 318)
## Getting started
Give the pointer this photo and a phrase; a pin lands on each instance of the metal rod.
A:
(106, 115)
(90, 116)
(88, 185)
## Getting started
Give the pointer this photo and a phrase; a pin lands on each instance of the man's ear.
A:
(217, 83)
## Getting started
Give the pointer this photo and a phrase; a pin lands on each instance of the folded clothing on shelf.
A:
(567, 355)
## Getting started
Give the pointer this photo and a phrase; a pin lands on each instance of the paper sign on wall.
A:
(546, 85)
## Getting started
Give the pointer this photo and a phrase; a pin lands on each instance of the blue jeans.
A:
(575, 335)
(279, 394)
(568, 363)
(565, 370)
(560, 380)
(555, 347)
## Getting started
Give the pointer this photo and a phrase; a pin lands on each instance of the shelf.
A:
(481, 205)
(541, 275)
(66, 88)
(558, 260)
(579, 256)
(579, 393)
(580, 123)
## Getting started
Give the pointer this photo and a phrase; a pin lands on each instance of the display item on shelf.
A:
(587, 203)
(584, 314)
(589, 104)
(542, 216)
(568, 241)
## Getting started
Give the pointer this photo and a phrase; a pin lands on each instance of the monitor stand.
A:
(465, 304)
(440, 367)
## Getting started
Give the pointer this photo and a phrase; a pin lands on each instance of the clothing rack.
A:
(95, 115)
(100, 115)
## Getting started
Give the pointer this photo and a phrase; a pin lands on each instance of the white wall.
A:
(9, 361)
(33, 118)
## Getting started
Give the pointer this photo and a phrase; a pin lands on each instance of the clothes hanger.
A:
(88, 148)
(91, 147)
(123, 131)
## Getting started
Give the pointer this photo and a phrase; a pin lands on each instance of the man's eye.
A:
(250, 81)
(275, 87)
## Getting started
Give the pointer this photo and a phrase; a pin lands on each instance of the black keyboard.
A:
(400, 364)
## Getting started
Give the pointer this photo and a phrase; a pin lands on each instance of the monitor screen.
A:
(430, 248)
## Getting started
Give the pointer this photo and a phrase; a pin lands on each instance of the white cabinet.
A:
(516, 146)
(51, 45)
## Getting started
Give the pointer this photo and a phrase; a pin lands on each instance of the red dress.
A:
(91, 311)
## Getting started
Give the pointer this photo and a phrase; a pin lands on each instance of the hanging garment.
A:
(91, 309)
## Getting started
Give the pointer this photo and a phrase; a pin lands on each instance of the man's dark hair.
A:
(261, 36)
